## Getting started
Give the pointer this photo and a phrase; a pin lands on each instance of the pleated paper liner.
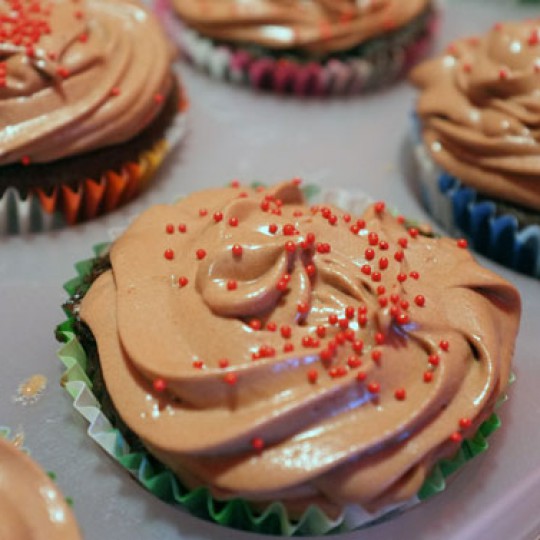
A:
(47, 209)
(461, 212)
(90, 400)
(377, 64)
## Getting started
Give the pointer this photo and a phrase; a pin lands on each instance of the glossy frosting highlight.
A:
(31, 506)
(316, 26)
(274, 351)
(90, 74)
(480, 114)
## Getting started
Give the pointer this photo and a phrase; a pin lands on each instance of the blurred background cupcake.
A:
(478, 141)
(315, 47)
(31, 506)
(87, 108)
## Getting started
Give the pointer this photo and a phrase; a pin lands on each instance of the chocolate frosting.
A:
(276, 351)
(317, 26)
(480, 111)
(90, 74)
(31, 507)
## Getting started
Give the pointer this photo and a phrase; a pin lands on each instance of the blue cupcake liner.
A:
(462, 211)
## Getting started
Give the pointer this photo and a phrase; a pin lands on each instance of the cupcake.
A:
(302, 47)
(288, 368)
(478, 143)
(87, 108)
(30, 504)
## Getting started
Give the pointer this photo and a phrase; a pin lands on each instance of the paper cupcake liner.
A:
(235, 513)
(381, 62)
(461, 212)
(43, 210)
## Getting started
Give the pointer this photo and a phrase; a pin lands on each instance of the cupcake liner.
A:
(235, 513)
(459, 209)
(380, 62)
(47, 209)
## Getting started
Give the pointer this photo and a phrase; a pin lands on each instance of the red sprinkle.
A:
(401, 277)
(376, 355)
(312, 376)
(237, 250)
(333, 319)
(257, 443)
(198, 364)
(379, 207)
(456, 437)
(400, 394)
(444, 345)
(182, 228)
(230, 378)
(169, 254)
(302, 307)
(374, 388)
(379, 338)
(200, 253)
(289, 229)
(369, 254)
(311, 270)
(232, 284)
(321, 331)
(462, 243)
(420, 300)
(218, 216)
(223, 363)
(288, 347)
(349, 312)
(271, 326)
(428, 376)
(465, 423)
(383, 263)
(286, 331)
(169, 228)
(373, 239)
(182, 281)
(272, 228)
(203, 212)
(290, 247)
(255, 324)
(159, 385)
(361, 376)
(434, 359)
(233, 222)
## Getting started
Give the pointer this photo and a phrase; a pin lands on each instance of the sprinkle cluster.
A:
(351, 338)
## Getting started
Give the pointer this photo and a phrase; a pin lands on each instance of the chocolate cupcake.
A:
(286, 368)
(478, 143)
(299, 47)
(87, 108)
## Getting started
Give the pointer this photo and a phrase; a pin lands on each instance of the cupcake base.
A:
(374, 64)
(39, 197)
(509, 237)
(82, 379)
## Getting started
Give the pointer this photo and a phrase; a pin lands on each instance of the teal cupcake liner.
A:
(104, 429)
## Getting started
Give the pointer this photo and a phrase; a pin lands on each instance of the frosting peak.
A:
(74, 77)
(274, 350)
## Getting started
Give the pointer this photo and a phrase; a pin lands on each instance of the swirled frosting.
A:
(31, 507)
(77, 76)
(317, 26)
(480, 113)
(270, 350)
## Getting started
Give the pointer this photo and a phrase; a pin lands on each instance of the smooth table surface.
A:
(354, 143)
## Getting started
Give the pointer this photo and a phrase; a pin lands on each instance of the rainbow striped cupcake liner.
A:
(376, 64)
(50, 209)
(462, 212)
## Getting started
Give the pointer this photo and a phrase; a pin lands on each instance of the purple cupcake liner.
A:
(463, 212)
(386, 61)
